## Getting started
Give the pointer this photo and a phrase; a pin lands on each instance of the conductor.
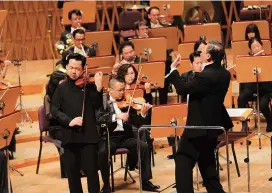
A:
(206, 91)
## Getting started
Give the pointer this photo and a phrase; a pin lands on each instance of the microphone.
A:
(5, 134)
(2, 105)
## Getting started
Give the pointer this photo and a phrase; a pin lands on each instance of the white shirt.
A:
(79, 51)
(117, 111)
(72, 30)
(114, 119)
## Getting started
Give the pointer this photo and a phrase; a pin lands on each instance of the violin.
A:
(141, 83)
(89, 80)
(136, 103)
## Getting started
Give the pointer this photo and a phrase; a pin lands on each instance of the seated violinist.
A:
(247, 90)
(120, 125)
(128, 74)
(127, 56)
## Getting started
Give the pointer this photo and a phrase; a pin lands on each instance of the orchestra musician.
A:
(153, 14)
(252, 31)
(196, 65)
(120, 125)
(206, 91)
(127, 56)
(141, 29)
(3, 173)
(74, 108)
(75, 17)
(247, 90)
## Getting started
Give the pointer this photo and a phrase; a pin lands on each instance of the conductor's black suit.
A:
(206, 91)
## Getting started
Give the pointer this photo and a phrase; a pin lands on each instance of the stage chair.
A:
(119, 151)
(127, 23)
(43, 126)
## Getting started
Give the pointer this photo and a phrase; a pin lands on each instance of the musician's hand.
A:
(176, 63)
(76, 121)
(145, 108)
(98, 79)
(147, 87)
(122, 116)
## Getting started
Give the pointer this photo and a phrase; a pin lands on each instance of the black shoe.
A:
(269, 128)
(170, 156)
(148, 186)
(106, 190)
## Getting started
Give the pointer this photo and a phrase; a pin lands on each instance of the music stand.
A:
(155, 76)
(10, 96)
(103, 39)
(100, 61)
(174, 114)
(254, 69)
(185, 49)
(170, 33)
(88, 10)
(106, 78)
(212, 31)
(7, 128)
(157, 47)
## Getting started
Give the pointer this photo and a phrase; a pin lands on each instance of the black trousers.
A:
(247, 95)
(3, 173)
(131, 145)
(200, 150)
(81, 156)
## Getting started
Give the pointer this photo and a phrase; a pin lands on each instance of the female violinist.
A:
(128, 74)
(247, 90)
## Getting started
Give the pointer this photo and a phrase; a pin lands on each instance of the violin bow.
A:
(136, 84)
(84, 91)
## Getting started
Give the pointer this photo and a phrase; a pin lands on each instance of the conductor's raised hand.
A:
(98, 79)
(176, 62)
(77, 121)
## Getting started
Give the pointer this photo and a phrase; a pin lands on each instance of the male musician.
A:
(74, 108)
(75, 16)
(141, 29)
(153, 14)
(79, 47)
(120, 125)
(207, 91)
(186, 76)
(127, 56)
(3, 173)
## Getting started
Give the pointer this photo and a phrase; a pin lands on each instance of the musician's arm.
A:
(200, 83)
(56, 108)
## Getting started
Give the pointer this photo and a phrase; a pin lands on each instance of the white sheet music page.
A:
(236, 112)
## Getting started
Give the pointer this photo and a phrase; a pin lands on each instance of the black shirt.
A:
(67, 104)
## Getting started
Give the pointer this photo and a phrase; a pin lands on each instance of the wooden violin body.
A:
(136, 103)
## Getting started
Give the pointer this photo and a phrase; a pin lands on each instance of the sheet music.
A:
(236, 112)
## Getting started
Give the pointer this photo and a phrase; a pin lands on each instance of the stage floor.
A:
(163, 174)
